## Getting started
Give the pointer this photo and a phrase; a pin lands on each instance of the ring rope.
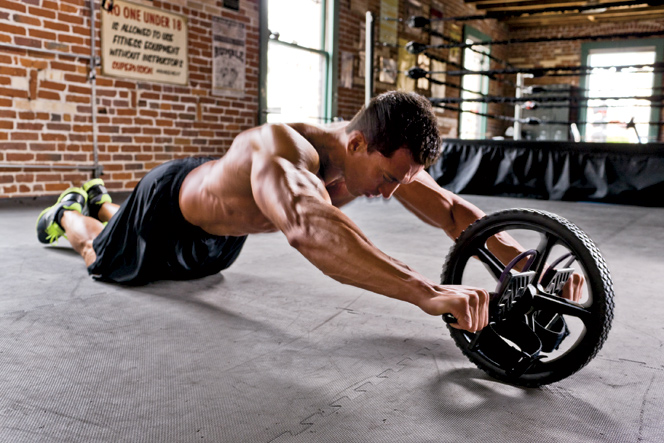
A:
(482, 114)
(559, 98)
(413, 73)
(658, 67)
(486, 54)
(544, 40)
(536, 105)
(421, 22)
(536, 121)
(442, 60)
(416, 73)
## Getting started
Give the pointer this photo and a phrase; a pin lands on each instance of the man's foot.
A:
(48, 223)
(97, 196)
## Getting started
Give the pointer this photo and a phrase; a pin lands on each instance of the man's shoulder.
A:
(283, 141)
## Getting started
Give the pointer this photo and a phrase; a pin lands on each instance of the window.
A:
(475, 58)
(297, 60)
(609, 117)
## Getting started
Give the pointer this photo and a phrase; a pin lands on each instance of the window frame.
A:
(476, 36)
(330, 45)
(620, 46)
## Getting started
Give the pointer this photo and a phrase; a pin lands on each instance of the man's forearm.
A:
(502, 245)
(336, 246)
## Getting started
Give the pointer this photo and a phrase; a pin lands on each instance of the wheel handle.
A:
(511, 286)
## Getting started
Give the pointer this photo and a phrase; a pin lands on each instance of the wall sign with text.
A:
(144, 43)
(229, 63)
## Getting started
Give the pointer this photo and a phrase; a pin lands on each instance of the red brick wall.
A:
(45, 109)
(351, 99)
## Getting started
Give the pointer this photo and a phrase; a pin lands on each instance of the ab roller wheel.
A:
(534, 336)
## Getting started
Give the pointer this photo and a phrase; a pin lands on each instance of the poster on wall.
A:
(389, 12)
(346, 71)
(144, 43)
(438, 26)
(360, 65)
(388, 70)
(437, 89)
(423, 63)
(405, 62)
(455, 34)
(359, 6)
(229, 63)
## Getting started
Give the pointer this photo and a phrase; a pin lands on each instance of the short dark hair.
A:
(397, 119)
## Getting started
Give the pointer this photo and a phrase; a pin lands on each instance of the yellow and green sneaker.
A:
(48, 223)
(97, 196)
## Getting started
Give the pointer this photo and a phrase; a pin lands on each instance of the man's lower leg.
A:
(98, 197)
(107, 211)
(81, 231)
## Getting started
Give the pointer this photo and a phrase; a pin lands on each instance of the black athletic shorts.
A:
(148, 239)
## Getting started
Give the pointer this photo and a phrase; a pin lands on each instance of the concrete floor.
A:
(272, 350)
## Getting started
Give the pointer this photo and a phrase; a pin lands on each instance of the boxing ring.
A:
(552, 170)
(558, 167)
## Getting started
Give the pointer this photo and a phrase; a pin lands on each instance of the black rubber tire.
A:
(598, 283)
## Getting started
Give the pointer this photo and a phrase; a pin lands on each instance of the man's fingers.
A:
(477, 309)
(578, 293)
(573, 289)
(467, 308)
(485, 310)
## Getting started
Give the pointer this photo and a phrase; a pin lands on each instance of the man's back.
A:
(219, 196)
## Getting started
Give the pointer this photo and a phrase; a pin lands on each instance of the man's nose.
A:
(388, 189)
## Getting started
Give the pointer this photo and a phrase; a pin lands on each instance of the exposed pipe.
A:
(45, 51)
(92, 77)
(32, 166)
(368, 58)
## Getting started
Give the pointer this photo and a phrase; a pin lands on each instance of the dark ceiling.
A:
(574, 12)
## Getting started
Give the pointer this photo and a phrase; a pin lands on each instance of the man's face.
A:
(371, 174)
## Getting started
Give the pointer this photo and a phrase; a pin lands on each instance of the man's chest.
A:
(339, 193)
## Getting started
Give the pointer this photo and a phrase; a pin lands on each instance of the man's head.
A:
(390, 141)
(396, 120)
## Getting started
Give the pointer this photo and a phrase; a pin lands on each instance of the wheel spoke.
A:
(490, 261)
(561, 306)
(530, 320)
(544, 248)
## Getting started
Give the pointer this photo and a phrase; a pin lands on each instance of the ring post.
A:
(517, 107)
(520, 77)
(368, 59)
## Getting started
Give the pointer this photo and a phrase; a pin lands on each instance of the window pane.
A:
(472, 125)
(607, 118)
(296, 85)
(297, 21)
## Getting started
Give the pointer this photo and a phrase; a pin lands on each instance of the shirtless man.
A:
(189, 218)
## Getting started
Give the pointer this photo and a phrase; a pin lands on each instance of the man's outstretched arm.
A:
(296, 201)
(451, 213)
(446, 210)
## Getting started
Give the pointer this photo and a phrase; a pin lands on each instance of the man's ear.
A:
(356, 142)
